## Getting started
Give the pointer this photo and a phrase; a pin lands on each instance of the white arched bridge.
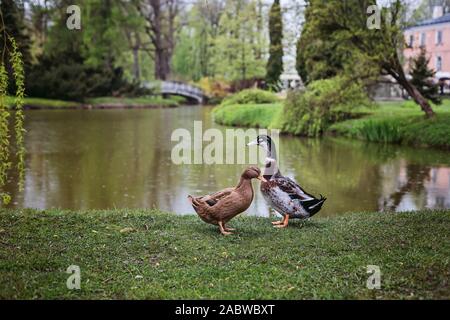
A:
(179, 89)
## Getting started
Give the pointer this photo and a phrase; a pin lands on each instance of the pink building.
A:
(434, 35)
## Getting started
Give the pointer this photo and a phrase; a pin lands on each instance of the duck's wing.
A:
(292, 189)
(213, 198)
(310, 203)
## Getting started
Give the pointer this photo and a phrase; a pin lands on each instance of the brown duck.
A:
(220, 207)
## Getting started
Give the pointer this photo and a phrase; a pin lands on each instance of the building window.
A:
(438, 63)
(422, 39)
(439, 37)
(411, 41)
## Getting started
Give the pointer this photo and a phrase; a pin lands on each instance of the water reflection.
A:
(81, 159)
(413, 187)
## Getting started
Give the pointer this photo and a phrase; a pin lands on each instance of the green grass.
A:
(391, 122)
(166, 256)
(156, 101)
(136, 102)
(44, 103)
(399, 122)
(247, 115)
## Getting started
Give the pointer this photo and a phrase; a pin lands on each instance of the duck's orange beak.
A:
(261, 178)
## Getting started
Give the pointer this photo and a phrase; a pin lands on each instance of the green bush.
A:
(250, 96)
(324, 102)
(72, 79)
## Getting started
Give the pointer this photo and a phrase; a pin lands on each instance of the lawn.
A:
(394, 122)
(137, 254)
(247, 115)
(101, 102)
(151, 101)
(39, 103)
(399, 122)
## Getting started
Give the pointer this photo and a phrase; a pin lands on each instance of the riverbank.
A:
(100, 103)
(137, 254)
(391, 122)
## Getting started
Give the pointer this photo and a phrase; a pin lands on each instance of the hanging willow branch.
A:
(16, 62)
(19, 76)
(5, 164)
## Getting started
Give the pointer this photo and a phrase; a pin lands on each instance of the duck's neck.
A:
(271, 167)
(244, 184)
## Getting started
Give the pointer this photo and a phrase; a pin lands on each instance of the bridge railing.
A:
(178, 88)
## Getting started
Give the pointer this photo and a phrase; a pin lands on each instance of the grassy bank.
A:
(102, 102)
(149, 254)
(139, 102)
(399, 122)
(247, 115)
(41, 103)
(393, 122)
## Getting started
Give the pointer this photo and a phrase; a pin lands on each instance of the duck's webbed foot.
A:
(284, 223)
(223, 230)
(275, 223)
(228, 229)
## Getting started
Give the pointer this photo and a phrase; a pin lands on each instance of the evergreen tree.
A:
(275, 64)
(422, 77)
(347, 31)
(78, 64)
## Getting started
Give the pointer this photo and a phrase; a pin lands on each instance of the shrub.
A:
(216, 90)
(324, 102)
(73, 80)
(251, 96)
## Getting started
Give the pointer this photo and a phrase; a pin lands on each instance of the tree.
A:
(76, 65)
(345, 23)
(238, 45)
(275, 64)
(318, 55)
(161, 27)
(422, 77)
(131, 25)
(193, 54)
(425, 9)
(39, 17)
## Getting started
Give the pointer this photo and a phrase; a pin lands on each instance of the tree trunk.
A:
(419, 99)
(161, 30)
(162, 65)
(136, 67)
(415, 94)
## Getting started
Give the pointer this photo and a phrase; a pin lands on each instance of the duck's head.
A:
(264, 141)
(253, 173)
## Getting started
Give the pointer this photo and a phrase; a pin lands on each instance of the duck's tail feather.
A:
(200, 208)
(313, 206)
(193, 201)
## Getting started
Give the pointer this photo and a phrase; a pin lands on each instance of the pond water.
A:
(99, 159)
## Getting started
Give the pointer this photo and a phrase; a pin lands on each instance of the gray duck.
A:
(282, 193)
